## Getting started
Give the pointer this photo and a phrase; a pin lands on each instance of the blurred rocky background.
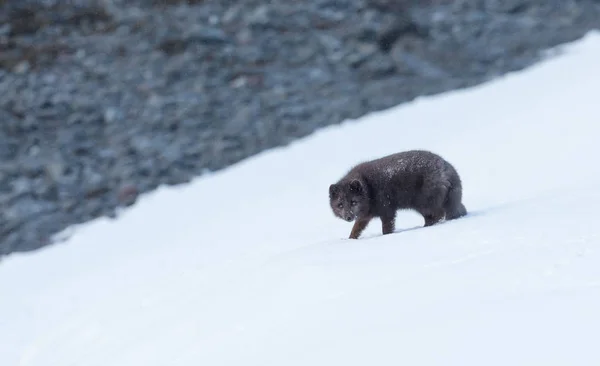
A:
(103, 100)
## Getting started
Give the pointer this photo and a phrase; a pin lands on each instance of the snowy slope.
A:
(249, 266)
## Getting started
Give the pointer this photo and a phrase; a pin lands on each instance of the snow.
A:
(248, 266)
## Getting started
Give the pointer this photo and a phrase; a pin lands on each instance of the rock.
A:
(377, 67)
(508, 6)
(360, 53)
(410, 64)
(111, 114)
(209, 35)
(94, 183)
(22, 67)
(127, 194)
(259, 16)
(9, 149)
(34, 233)
(240, 122)
(25, 209)
(32, 166)
(21, 186)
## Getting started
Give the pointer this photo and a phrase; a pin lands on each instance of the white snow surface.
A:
(248, 266)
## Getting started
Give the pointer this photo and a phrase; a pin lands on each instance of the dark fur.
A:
(417, 179)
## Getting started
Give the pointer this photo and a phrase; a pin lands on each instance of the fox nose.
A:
(349, 218)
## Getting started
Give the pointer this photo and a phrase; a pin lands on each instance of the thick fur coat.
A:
(416, 179)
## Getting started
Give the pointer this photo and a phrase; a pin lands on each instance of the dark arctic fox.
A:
(417, 179)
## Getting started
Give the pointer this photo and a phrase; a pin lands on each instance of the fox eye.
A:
(353, 203)
(340, 205)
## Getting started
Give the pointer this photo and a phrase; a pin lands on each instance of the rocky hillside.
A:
(102, 100)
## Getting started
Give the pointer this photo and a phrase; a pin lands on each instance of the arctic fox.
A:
(417, 179)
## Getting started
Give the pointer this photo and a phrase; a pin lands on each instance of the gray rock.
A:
(378, 66)
(259, 16)
(31, 166)
(9, 149)
(209, 35)
(360, 53)
(21, 186)
(25, 209)
(111, 115)
(94, 183)
(411, 64)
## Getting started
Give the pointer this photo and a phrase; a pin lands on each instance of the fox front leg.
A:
(359, 225)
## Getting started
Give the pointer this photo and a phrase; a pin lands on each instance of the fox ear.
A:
(333, 190)
(356, 186)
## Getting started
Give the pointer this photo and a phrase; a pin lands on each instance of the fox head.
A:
(349, 200)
